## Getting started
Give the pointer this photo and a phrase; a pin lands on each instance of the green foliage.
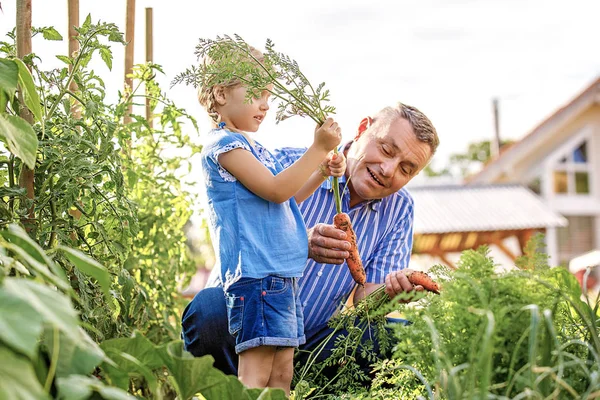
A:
(502, 334)
(524, 333)
(230, 59)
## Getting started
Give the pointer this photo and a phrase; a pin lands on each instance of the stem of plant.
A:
(54, 361)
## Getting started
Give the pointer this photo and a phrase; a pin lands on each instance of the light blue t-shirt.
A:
(252, 237)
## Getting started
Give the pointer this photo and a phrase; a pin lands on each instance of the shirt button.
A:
(305, 304)
(319, 273)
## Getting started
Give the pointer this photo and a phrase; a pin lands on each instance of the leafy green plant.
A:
(520, 333)
(525, 333)
(121, 204)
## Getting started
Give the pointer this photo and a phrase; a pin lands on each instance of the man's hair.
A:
(422, 126)
(206, 96)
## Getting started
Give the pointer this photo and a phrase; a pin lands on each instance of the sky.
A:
(447, 58)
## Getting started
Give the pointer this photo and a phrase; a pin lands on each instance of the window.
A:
(576, 238)
(572, 173)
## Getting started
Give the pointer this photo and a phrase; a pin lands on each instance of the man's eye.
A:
(386, 150)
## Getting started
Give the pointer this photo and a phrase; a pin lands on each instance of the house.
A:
(559, 160)
(452, 218)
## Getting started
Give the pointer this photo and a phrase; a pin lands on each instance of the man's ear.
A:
(219, 95)
(363, 126)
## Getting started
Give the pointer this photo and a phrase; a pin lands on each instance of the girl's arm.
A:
(281, 187)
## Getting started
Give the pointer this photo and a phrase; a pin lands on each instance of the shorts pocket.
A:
(276, 285)
(235, 313)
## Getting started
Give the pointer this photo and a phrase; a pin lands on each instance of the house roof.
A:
(495, 168)
(445, 209)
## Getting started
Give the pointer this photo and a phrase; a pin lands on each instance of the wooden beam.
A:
(505, 250)
(524, 236)
(26, 177)
(445, 260)
(129, 38)
(149, 58)
(75, 106)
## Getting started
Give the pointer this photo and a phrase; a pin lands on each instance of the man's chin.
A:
(367, 193)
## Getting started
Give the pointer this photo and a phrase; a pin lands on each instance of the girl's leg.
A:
(283, 369)
(255, 366)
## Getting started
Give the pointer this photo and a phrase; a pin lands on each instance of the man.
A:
(387, 152)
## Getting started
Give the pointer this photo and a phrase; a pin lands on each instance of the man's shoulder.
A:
(287, 155)
(402, 196)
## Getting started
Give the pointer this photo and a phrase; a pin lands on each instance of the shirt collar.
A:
(374, 204)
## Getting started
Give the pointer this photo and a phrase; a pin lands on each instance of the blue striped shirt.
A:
(384, 231)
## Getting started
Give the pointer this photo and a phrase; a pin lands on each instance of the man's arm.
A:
(327, 244)
(391, 260)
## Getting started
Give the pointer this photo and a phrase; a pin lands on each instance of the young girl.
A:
(257, 230)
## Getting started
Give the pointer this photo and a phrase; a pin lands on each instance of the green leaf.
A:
(116, 36)
(75, 356)
(53, 307)
(138, 346)
(20, 324)
(185, 370)
(88, 22)
(3, 100)
(77, 387)
(9, 75)
(90, 267)
(18, 379)
(107, 56)
(133, 366)
(30, 94)
(134, 355)
(51, 34)
(65, 59)
(17, 236)
(20, 138)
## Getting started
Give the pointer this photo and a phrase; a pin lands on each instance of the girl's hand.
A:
(328, 135)
(334, 165)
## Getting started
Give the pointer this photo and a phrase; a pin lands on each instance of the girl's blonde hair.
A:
(206, 95)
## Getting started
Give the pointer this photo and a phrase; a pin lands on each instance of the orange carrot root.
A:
(342, 221)
(421, 278)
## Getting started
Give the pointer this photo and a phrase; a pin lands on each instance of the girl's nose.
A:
(264, 104)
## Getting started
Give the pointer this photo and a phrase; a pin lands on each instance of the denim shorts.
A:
(265, 312)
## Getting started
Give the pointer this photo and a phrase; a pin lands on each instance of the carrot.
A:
(342, 221)
(421, 278)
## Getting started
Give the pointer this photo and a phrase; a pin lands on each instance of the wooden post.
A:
(73, 50)
(75, 107)
(149, 58)
(495, 143)
(129, 38)
(24, 48)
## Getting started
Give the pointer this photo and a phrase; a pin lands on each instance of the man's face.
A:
(383, 158)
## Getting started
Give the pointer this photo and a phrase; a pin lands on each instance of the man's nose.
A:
(388, 167)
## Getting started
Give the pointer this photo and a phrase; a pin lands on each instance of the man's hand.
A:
(327, 244)
(397, 282)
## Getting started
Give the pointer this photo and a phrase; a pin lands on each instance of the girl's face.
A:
(238, 113)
